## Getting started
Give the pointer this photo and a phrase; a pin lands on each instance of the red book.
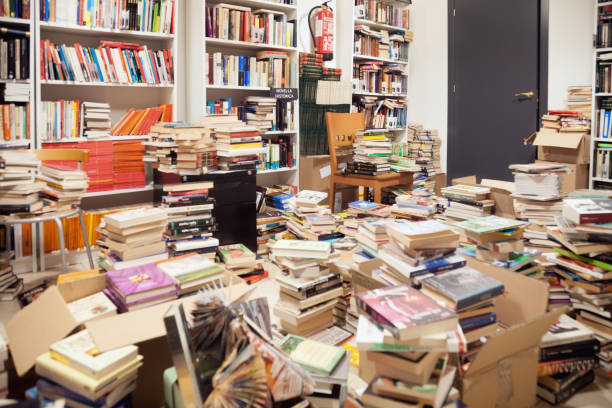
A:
(406, 312)
(588, 211)
(119, 44)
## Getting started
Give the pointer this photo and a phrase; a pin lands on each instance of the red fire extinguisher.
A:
(323, 37)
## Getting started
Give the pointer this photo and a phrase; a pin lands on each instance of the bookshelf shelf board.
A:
(278, 132)
(600, 179)
(84, 30)
(13, 20)
(367, 57)
(260, 4)
(98, 139)
(14, 81)
(379, 25)
(235, 87)
(114, 84)
(604, 4)
(244, 44)
(380, 94)
(281, 170)
(607, 49)
(121, 191)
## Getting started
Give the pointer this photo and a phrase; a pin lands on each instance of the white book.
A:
(79, 352)
(96, 306)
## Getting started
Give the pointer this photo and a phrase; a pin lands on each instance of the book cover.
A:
(475, 322)
(189, 267)
(315, 356)
(402, 307)
(556, 397)
(140, 281)
(92, 307)
(566, 331)
(363, 205)
(300, 245)
(464, 287)
(587, 210)
(490, 223)
(236, 253)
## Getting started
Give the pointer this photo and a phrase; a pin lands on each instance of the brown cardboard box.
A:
(578, 177)
(34, 328)
(561, 147)
(314, 175)
(504, 372)
(501, 193)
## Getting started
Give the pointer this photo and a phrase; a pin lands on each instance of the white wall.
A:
(570, 48)
(428, 76)
(304, 40)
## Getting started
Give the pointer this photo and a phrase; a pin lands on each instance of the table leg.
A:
(60, 231)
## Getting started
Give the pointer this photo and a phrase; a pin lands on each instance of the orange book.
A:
(134, 129)
(129, 125)
(115, 129)
(6, 122)
(72, 276)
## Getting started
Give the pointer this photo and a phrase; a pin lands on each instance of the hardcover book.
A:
(406, 312)
(140, 282)
(236, 254)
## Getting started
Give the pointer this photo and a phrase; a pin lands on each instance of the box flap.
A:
(78, 289)
(499, 185)
(147, 324)
(515, 339)
(554, 139)
(470, 180)
(33, 329)
(363, 276)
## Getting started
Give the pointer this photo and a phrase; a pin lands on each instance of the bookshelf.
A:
(351, 16)
(22, 24)
(199, 91)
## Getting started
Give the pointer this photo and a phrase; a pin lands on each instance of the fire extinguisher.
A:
(323, 37)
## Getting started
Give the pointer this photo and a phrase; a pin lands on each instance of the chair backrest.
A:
(341, 129)
(78, 155)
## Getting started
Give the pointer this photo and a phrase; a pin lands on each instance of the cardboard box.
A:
(504, 372)
(501, 193)
(578, 177)
(561, 147)
(315, 172)
(47, 320)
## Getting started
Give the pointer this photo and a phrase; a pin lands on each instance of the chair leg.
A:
(332, 194)
(377, 194)
(60, 232)
(41, 246)
(33, 239)
(87, 247)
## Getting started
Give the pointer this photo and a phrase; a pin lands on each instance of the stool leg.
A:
(41, 246)
(60, 232)
(87, 247)
(33, 239)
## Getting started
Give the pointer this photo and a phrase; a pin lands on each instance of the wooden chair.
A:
(80, 156)
(341, 129)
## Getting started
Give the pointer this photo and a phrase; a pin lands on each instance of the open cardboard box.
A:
(504, 372)
(501, 193)
(561, 147)
(47, 320)
(576, 179)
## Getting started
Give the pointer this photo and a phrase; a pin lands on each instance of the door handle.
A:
(526, 95)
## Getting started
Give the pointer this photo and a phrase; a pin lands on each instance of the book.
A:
(140, 282)
(406, 312)
(587, 211)
(561, 381)
(302, 249)
(96, 306)
(422, 234)
(462, 287)
(236, 254)
(79, 352)
(556, 397)
(566, 365)
(488, 224)
(317, 357)
(189, 268)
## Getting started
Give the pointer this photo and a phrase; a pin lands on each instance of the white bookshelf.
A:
(198, 91)
(26, 25)
(347, 20)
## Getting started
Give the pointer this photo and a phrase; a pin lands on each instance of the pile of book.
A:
(128, 167)
(372, 234)
(138, 122)
(566, 121)
(497, 240)
(311, 65)
(416, 205)
(276, 198)
(579, 100)
(372, 150)
(114, 62)
(259, 112)
(568, 357)
(413, 330)
(270, 225)
(10, 285)
(134, 235)
(416, 250)
(309, 290)
(537, 191)
(420, 154)
(238, 147)
(363, 208)
(239, 260)
(3, 368)
(190, 272)
(64, 185)
(190, 223)
(74, 371)
(309, 220)
(96, 119)
(160, 148)
(18, 186)
(465, 202)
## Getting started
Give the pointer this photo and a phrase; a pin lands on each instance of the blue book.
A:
(476, 322)
(363, 205)
(95, 59)
(62, 55)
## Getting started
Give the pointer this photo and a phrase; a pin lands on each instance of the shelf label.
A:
(285, 94)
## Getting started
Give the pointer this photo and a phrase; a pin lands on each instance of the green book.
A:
(236, 253)
(317, 357)
(490, 223)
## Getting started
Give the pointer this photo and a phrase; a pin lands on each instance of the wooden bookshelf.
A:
(199, 91)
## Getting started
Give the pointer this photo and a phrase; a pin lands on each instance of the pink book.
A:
(140, 282)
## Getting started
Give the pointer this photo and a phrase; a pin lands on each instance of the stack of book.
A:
(537, 191)
(239, 260)
(3, 368)
(372, 235)
(579, 100)
(497, 240)
(96, 119)
(128, 167)
(65, 185)
(18, 186)
(76, 373)
(190, 272)
(467, 202)
(10, 285)
(190, 221)
(407, 323)
(311, 65)
(319, 226)
(260, 112)
(134, 235)
(276, 198)
(309, 291)
(159, 148)
(415, 205)
(271, 225)
(421, 153)
(568, 356)
(363, 208)
(139, 287)
(235, 154)
(372, 150)
(194, 149)
(417, 250)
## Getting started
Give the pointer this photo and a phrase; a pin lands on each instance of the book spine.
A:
(478, 297)
(318, 289)
(566, 366)
(580, 349)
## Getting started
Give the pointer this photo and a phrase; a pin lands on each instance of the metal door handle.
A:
(527, 95)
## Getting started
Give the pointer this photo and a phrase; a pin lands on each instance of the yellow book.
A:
(374, 137)
(80, 383)
(246, 146)
(71, 276)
